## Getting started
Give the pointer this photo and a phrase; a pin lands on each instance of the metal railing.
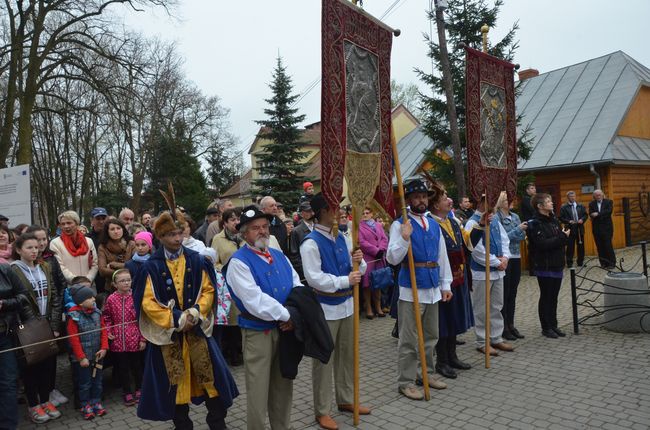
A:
(588, 293)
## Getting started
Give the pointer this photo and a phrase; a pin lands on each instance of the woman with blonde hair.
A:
(75, 252)
(516, 233)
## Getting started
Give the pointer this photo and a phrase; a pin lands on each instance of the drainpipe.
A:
(592, 169)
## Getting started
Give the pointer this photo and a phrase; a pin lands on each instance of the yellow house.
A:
(405, 127)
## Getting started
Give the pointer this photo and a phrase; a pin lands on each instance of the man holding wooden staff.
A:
(499, 253)
(327, 263)
(433, 278)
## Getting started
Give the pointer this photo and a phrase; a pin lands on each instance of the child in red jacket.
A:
(88, 349)
(126, 341)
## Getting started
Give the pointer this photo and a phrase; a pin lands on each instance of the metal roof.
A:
(575, 112)
(410, 150)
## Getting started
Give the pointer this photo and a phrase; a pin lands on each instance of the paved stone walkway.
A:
(595, 380)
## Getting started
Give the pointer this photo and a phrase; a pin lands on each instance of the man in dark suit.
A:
(269, 206)
(527, 210)
(298, 234)
(574, 215)
(600, 211)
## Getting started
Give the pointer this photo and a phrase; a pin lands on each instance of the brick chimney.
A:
(527, 74)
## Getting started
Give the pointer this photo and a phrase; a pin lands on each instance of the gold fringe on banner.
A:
(362, 175)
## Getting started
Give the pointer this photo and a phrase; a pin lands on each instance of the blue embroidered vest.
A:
(425, 249)
(274, 279)
(335, 260)
(495, 242)
(87, 322)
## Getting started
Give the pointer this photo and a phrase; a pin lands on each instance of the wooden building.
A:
(591, 128)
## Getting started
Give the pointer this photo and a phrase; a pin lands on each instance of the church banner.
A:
(355, 106)
(491, 126)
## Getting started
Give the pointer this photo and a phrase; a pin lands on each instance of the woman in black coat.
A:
(13, 301)
(547, 241)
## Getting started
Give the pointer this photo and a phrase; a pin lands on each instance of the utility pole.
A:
(459, 171)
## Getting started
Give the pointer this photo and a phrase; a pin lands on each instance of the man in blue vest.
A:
(327, 264)
(260, 280)
(433, 277)
(499, 254)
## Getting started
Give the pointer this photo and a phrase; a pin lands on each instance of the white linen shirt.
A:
(397, 250)
(478, 254)
(326, 282)
(257, 303)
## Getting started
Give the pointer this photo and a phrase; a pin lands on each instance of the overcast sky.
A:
(230, 47)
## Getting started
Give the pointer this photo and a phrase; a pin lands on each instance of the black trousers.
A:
(603, 241)
(446, 350)
(216, 418)
(574, 241)
(510, 285)
(549, 289)
(38, 381)
(129, 371)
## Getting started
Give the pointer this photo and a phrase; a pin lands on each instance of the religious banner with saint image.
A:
(355, 107)
(491, 126)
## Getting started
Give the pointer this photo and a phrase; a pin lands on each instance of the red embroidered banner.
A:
(355, 101)
(491, 126)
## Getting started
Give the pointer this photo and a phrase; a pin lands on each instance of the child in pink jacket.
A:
(126, 341)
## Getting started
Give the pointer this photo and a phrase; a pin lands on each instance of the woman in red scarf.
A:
(75, 252)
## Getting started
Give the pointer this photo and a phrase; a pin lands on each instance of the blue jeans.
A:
(90, 388)
(8, 385)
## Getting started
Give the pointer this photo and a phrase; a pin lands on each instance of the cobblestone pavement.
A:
(595, 380)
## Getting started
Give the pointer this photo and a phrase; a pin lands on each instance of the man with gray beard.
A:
(260, 280)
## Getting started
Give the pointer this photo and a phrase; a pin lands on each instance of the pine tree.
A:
(279, 164)
(225, 166)
(175, 160)
(463, 21)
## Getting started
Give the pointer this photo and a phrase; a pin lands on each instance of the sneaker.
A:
(99, 410)
(129, 400)
(51, 410)
(38, 415)
(87, 412)
(137, 395)
(57, 398)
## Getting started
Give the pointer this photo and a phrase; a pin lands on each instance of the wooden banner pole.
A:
(484, 32)
(411, 263)
(355, 267)
(486, 243)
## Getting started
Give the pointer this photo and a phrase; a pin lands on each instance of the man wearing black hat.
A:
(298, 234)
(433, 276)
(211, 214)
(4, 221)
(260, 279)
(327, 262)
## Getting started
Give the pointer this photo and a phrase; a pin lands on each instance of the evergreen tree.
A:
(279, 163)
(175, 160)
(225, 166)
(463, 21)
